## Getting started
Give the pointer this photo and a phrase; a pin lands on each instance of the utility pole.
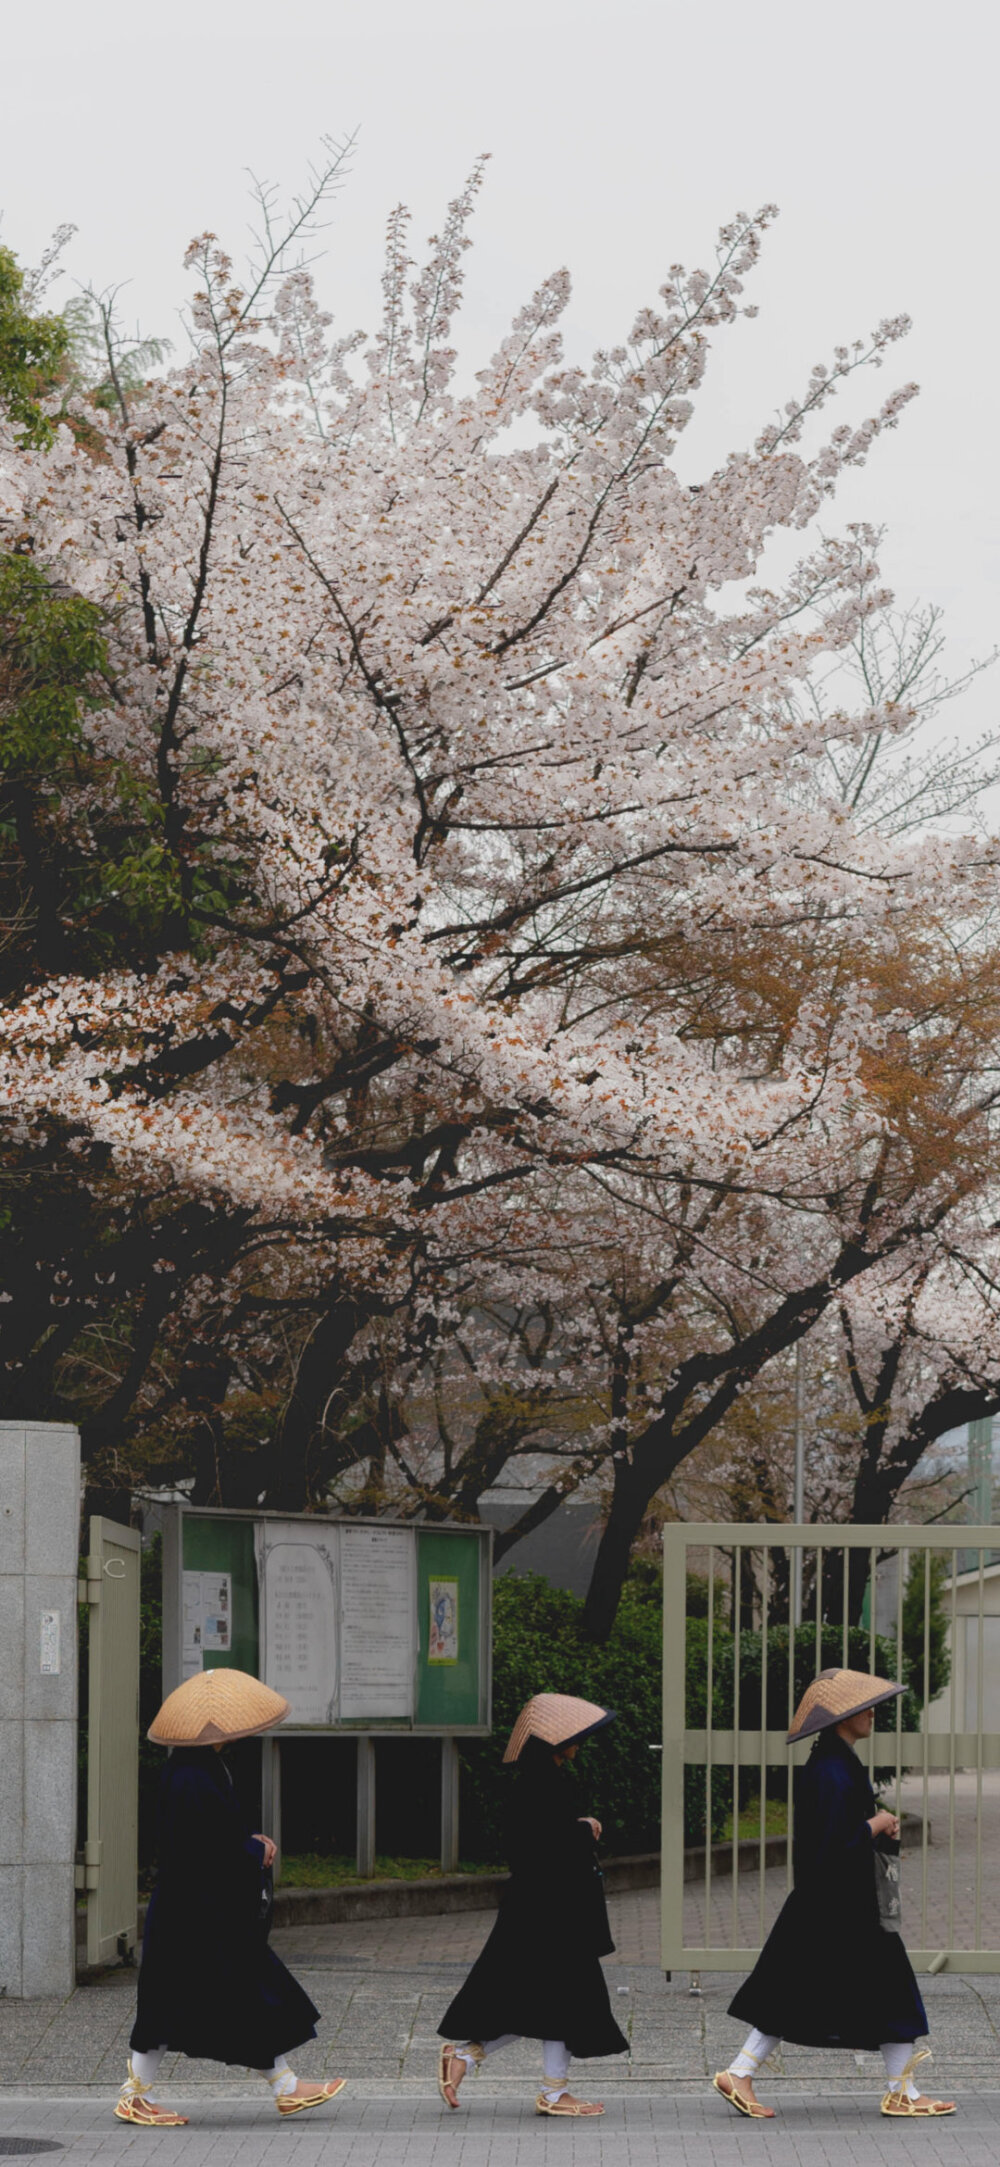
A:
(981, 1472)
(979, 1511)
(799, 1477)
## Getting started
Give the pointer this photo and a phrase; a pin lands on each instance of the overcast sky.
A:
(623, 134)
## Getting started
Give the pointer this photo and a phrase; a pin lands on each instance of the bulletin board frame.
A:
(452, 1589)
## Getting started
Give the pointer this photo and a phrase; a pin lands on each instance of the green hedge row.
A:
(538, 1647)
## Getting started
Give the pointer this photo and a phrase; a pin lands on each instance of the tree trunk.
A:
(289, 1487)
(629, 1501)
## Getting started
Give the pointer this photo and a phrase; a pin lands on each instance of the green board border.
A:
(227, 1546)
(448, 1696)
(450, 1693)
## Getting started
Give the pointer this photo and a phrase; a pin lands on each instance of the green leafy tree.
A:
(33, 351)
(926, 1656)
(539, 1647)
(92, 1275)
(99, 363)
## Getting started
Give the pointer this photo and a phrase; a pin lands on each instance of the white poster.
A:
(297, 1570)
(207, 1629)
(442, 1637)
(378, 1622)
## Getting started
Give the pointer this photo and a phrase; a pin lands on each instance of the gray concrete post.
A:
(270, 1795)
(365, 1853)
(449, 1805)
(39, 1554)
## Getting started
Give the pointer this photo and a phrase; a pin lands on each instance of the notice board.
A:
(363, 1625)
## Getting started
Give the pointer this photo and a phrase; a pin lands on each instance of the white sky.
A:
(622, 134)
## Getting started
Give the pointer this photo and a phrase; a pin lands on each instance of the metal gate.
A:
(775, 1606)
(109, 1868)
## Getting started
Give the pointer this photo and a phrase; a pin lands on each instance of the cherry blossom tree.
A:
(923, 1358)
(468, 935)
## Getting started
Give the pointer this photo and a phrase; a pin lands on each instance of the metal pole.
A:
(798, 1478)
(270, 1794)
(981, 1470)
(366, 1808)
(980, 1465)
(449, 1805)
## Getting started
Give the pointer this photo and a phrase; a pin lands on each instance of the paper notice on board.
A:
(442, 1636)
(297, 1570)
(207, 1620)
(377, 1619)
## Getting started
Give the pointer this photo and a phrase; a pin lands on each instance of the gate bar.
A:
(918, 1753)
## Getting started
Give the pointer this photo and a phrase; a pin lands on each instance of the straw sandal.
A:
(898, 2105)
(449, 2053)
(134, 2105)
(750, 2107)
(298, 2102)
(566, 2105)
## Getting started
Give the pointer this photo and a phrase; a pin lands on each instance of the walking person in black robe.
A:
(209, 1986)
(539, 1975)
(830, 1973)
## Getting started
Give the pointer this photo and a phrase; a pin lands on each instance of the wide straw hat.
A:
(835, 1695)
(556, 1719)
(216, 1705)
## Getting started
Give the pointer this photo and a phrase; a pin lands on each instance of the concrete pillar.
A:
(39, 1553)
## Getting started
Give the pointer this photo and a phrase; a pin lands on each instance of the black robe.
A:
(209, 1985)
(828, 1974)
(539, 1974)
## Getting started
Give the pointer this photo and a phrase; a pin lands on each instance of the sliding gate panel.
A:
(751, 1613)
(110, 1867)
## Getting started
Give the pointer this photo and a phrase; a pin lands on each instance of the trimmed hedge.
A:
(539, 1647)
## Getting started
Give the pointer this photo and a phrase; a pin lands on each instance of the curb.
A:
(424, 1899)
(450, 1893)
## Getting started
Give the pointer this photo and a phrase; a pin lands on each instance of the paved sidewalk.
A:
(645, 2130)
(382, 1987)
(949, 1902)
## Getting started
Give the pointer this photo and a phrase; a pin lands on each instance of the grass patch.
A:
(775, 1820)
(313, 1870)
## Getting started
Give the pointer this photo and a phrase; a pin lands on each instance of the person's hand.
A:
(270, 1848)
(594, 1826)
(884, 1823)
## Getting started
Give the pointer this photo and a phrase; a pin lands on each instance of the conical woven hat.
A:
(215, 1705)
(558, 1719)
(835, 1695)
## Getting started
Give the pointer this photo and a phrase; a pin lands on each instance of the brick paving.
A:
(381, 1986)
(644, 2130)
(941, 1907)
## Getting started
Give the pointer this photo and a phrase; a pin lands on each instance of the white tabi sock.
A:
(895, 2054)
(281, 2079)
(145, 2066)
(756, 2048)
(556, 2059)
